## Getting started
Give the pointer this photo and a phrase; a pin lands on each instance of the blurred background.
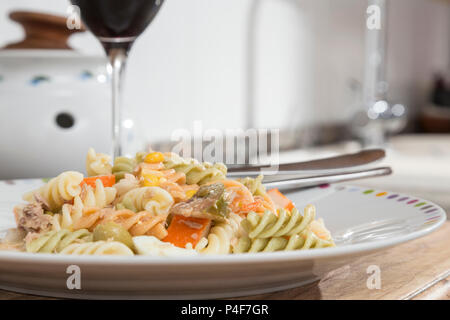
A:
(308, 67)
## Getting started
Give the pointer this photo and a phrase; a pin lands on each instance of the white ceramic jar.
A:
(54, 104)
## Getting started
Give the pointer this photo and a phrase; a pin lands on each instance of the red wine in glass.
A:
(117, 24)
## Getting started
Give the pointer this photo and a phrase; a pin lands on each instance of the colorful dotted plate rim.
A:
(427, 208)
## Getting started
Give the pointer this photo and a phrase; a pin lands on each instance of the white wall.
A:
(196, 62)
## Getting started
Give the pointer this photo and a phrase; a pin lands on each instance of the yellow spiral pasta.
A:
(59, 190)
(98, 248)
(68, 216)
(152, 199)
(155, 175)
(221, 236)
(285, 224)
(129, 182)
(305, 240)
(99, 197)
(123, 165)
(55, 241)
(97, 163)
(196, 172)
(137, 224)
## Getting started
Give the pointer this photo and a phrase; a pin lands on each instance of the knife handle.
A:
(318, 180)
(343, 161)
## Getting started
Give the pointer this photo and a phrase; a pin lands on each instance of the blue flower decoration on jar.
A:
(36, 80)
(86, 75)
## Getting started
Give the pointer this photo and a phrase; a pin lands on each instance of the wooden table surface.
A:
(418, 269)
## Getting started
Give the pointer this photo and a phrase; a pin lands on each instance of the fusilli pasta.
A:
(221, 236)
(68, 216)
(129, 182)
(99, 197)
(97, 163)
(286, 224)
(162, 205)
(196, 172)
(152, 199)
(170, 180)
(123, 165)
(254, 185)
(55, 241)
(137, 224)
(305, 240)
(58, 190)
(140, 156)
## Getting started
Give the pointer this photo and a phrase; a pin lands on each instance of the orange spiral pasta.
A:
(179, 192)
(264, 203)
(138, 224)
(153, 174)
(242, 200)
(239, 195)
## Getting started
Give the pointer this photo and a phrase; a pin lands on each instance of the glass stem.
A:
(117, 59)
(375, 85)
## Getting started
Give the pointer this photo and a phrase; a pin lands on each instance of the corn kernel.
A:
(154, 157)
(150, 180)
(190, 193)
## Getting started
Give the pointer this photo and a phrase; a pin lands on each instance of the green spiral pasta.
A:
(305, 240)
(285, 224)
(254, 185)
(123, 165)
(55, 241)
(140, 156)
(196, 172)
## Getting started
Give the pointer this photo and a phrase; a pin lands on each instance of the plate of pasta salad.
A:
(158, 225)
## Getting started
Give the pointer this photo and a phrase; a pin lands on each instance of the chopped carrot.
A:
(280, 200)
(108, 181)
(183, 230)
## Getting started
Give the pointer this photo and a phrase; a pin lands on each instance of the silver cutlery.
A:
(305, 174)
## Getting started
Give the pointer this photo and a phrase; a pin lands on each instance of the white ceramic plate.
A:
(361, 221)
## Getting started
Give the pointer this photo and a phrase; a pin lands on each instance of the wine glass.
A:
(117, 24)
(378, 117)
